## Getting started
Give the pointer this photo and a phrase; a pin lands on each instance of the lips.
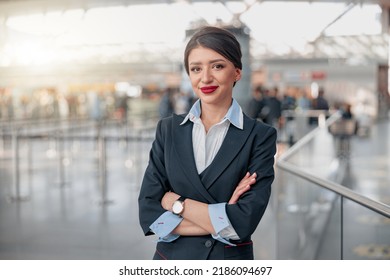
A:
(208, 89)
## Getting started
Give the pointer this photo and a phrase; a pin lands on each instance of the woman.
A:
(209, 176)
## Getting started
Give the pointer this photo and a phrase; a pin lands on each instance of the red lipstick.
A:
(208, 89)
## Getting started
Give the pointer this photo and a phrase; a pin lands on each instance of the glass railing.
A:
(317, 216)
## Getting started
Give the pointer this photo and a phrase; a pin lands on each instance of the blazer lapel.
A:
(182, 141)
(231, 146)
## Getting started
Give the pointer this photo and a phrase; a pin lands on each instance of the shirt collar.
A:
(234, 115)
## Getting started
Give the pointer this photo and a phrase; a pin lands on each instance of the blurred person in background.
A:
(256, 104)
(319, 103)
(182, 103)
(167, 106)
(274, 108)
(287, 120)
(303, 102)
(210, 171)
(346, 111)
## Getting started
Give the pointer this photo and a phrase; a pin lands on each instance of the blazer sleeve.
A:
(246, 214)
(155, 182)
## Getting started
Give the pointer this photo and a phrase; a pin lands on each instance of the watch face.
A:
(177, 207)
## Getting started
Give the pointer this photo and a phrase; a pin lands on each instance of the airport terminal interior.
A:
(84, 83)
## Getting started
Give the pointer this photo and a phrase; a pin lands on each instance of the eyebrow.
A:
(210, 62)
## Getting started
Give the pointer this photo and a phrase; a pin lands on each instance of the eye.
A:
(218, 66)
(195, 69)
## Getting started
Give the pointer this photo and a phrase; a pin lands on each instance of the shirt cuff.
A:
(223, 240)
(164, 225)
(221, 224)
(169, 238)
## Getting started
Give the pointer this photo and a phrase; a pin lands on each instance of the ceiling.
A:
(144, 39)
(12, 7)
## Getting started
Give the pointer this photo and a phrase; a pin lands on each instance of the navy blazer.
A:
(172, 168)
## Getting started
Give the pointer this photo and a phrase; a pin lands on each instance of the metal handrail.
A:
(56, 120)
(376, 206)
(282, 163)
(58, 134)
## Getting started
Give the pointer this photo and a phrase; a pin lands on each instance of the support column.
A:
(383, 89)
(242, 90)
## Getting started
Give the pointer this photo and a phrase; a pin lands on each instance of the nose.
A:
(206, 76)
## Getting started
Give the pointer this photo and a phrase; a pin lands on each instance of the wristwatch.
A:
(178, 206)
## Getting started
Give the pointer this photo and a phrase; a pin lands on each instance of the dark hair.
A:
(219, 40)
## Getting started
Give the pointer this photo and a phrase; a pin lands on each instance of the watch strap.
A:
(181, 198)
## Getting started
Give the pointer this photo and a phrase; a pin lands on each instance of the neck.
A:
(212, 114)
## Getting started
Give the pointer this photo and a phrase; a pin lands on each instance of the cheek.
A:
(194, 81)
(229, 79)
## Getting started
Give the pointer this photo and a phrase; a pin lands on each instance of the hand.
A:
(168, 199)
(243, 186)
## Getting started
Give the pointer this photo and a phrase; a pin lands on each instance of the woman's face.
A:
(212, 76)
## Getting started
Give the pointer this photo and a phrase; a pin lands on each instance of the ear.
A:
(238, 74)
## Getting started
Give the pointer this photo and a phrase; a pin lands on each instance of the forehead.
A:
(202, 54)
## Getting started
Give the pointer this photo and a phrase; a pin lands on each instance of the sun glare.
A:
(53, 37)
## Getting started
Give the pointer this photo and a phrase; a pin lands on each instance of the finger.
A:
(247, 175)
(243, 190)
(238, 192)
(236, 195)
(253, 176)
(248, 178)
(248, 181)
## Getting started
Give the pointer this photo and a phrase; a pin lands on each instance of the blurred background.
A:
(83, 84)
